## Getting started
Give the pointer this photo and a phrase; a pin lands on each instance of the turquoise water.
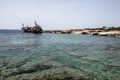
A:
(83, 54)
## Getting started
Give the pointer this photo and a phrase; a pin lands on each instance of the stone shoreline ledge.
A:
(104, 32)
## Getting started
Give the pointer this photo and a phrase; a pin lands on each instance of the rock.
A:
(94, 33)
(113, 48)
(77, 55)
(14, 63)
(110, 34)
(23, 70)
(85, 33)
(63, 73)
(110, 47)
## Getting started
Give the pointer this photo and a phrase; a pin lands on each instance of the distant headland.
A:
(104, 31)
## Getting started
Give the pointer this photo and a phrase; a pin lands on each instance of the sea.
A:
(47, 56)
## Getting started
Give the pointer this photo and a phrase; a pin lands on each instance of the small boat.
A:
(34, 29)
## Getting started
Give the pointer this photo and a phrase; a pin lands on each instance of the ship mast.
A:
(23, 25)
(36, 24)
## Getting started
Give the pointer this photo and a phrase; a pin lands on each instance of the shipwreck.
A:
(34, 29)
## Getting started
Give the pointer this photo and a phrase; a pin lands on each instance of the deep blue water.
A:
(91, 55)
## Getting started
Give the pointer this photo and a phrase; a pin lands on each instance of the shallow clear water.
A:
(91, 55)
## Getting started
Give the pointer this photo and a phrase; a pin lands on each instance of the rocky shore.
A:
(110, 32)
(104, 31)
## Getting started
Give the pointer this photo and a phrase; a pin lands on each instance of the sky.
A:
(59, 14)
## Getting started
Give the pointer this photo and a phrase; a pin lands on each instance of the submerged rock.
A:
(113, 48)
(77, 55)
(23, 70)
(110, 47)
(63, 73)
(14, 63)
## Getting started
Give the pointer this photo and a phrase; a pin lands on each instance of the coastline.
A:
(99, 32)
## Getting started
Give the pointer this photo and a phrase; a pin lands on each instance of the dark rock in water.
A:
(95, 33)
(18, 71)
(109, 47)
(78, 55)
(63, 73)
(14, 63)
(114, 48)
(84, 33)
(34, 68)
(35, 29)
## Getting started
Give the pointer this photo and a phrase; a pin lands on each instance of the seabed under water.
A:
(27, 56)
